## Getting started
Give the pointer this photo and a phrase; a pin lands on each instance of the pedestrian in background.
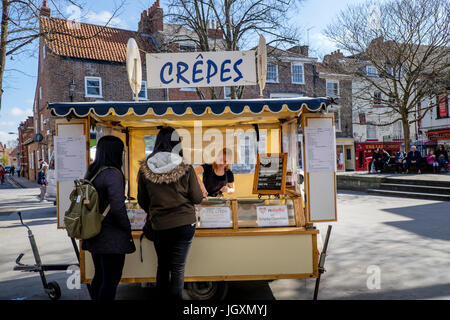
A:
(431, 160)
(442, 157)
(167, 190)
(12, 170)
(18, 171)
(400, 158)
(109, 247)
(42, 178)
(2, 173)
(413, 159)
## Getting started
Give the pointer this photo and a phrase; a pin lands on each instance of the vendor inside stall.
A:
(216, 178)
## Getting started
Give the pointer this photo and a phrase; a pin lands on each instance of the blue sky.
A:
(19, 86)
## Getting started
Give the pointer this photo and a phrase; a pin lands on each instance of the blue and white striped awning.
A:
(195, 107)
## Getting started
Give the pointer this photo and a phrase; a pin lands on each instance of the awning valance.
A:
(180, 108)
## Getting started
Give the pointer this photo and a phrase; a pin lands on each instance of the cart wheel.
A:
(213, 291)
(54, 292)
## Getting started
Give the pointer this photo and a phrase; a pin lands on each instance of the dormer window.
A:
(371, 71)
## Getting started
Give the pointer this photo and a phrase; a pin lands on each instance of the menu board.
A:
(70, 157)
(320, 149)
(270, 174)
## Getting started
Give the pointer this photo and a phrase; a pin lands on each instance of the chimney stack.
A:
(151, 19)
(45, 10)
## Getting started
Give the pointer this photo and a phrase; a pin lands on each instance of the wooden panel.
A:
(226, 259)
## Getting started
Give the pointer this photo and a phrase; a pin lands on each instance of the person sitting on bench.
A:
(413, 160)
(400, 157)
(442, 158)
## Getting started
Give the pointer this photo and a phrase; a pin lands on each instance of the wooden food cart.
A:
(232, 241)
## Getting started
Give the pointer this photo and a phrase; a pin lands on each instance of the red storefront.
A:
(363, 152)
(439, 135)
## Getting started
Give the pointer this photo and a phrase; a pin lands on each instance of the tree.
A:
(406, 45)
(20, 26)
(238, 22)
(4, 160)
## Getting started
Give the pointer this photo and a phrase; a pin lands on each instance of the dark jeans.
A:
(410, 165)
(399, 165)
(108, 272)
(172, 247)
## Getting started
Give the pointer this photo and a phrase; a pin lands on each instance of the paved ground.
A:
(413, 176)
(405, 241)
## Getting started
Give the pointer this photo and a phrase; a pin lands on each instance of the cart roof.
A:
(194, 109)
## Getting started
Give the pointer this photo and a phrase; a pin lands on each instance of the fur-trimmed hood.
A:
(164, 167)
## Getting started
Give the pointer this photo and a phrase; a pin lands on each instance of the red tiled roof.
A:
(90, 41)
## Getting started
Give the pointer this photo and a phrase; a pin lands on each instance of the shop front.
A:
(364, 152)
(437, 137)
(345, 154)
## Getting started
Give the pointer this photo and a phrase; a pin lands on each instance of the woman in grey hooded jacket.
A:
(167, 191)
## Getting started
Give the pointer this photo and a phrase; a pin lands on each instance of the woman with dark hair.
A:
(109, 247)
(167, 191)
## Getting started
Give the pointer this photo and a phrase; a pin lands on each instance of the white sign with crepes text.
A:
(201, 69)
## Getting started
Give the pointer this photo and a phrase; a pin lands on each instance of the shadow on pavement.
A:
(429, 220)
(420, 293)
(29, 214)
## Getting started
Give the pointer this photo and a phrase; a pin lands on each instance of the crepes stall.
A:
(265, 229)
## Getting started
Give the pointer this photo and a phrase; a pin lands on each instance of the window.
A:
(42, 123)
(297, 71)
(36, 128)
(40, 93)
(272, 72)
(337, 120)
(332, 88)
(371, 132)
(32, 160)
(377, 98)
(188, 48)
(188, 89)
(43, 51)
(227, 92)
(93, 87)
(362, 118)
(336, 110)
(371, 71)
(143, 93)
(392, 101)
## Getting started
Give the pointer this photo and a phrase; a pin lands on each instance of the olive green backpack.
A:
(83, 219)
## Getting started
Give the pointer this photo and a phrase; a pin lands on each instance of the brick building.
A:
(90, 66)
(26, 134)
(332, 82)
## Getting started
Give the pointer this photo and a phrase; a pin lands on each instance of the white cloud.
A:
(5, 137)
(18, 112)
(104, 17)
(322, 43)
(7, 123)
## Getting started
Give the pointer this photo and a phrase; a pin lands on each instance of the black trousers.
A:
(108, 272)
(172, 247)
(410, 165)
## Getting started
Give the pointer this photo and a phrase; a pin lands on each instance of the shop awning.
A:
(195, 107)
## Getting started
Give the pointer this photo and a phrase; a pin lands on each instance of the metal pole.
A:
(323, 255)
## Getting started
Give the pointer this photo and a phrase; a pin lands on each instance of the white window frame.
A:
(367, 132)
(327, 81)
(43, 51)
(371, 74)
(36, 128)
(32, 160)
(336, 110)
(42, 122)
(276, 72)
(293, 64)
(40, 93)
(380, 98)
(85, 87)
(225, 96)
(143, 83)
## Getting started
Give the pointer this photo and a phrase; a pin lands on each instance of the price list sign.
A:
(70, 157)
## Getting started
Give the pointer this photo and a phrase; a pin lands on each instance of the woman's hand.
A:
(205, 193)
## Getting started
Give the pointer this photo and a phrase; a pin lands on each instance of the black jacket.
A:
(441, 152)
(115, 235)
(414, 156)
(169, 195)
